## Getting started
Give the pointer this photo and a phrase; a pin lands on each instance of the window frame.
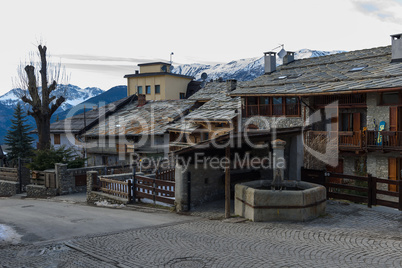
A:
(148, 90)
(157, 89)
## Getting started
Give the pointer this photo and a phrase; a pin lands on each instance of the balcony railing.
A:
(344, 139)
(388, 140)
(358, 140)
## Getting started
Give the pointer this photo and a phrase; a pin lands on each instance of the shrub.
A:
(46, 159)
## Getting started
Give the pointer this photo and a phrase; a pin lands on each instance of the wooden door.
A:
(393, 172)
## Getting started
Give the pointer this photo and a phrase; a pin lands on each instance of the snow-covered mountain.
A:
(243, 69)
(73, 94)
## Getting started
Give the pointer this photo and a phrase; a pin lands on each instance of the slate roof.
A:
(329, 74)
(212, 90)
(222, 108)
(151, 119)
(77, 123)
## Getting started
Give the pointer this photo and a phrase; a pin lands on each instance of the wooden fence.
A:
(9, 174)
(166, 175)
(117, 188)
(154, 189)
(159, 188)
(44, 178)
(357, 188)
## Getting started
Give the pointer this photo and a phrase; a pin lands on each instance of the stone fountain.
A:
(279, 199)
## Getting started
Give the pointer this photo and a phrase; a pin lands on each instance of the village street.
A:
(77, 235)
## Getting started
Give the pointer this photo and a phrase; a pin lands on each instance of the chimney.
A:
(270, 62)
(137, 72)
(396, 48)
(289, 57)
(141, 100)
(231, 84)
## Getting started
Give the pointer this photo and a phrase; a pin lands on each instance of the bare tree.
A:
(41, 107)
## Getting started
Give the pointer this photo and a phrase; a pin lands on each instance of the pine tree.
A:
(18, 138)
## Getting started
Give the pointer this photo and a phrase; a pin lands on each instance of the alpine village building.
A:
(347, 103)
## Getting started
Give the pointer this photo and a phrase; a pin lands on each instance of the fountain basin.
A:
(297, 201)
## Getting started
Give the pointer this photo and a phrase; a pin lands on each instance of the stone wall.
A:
(66, 177)
(9, 188)
(206, 185)
(39, 191)
(375, 112)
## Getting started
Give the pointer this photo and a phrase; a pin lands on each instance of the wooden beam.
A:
(227, 184)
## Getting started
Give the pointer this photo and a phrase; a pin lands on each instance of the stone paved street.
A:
(348, 236)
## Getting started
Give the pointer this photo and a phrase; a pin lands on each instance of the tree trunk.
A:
(40, 107)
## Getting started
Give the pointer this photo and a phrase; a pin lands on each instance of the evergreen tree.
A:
(18, 138)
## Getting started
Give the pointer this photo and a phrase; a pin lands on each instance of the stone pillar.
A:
(181, 196)
(90, 178)
(279, 164)
(61, 184)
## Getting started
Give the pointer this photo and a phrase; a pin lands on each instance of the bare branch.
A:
(56, 105)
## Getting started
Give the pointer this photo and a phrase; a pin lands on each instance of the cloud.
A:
(384, 10)
(102, 58)
(101, 68)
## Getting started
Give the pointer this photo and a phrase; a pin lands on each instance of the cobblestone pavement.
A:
(348, 236)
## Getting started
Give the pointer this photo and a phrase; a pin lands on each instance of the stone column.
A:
(61, 185)
(181, 197)
(90, 178)
(279, 164)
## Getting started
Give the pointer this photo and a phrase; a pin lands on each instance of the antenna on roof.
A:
(282, 52)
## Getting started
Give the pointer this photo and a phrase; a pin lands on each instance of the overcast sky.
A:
(99, 42)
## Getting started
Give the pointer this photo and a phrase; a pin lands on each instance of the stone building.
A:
(349, 105)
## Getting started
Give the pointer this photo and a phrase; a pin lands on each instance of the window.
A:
(182, 95)
(157, 89)
(292, 107)
(277, 106)
(56, 138)
(388, 98)
(271, 106)
(356, 69)
(147, 89)
(139, 89)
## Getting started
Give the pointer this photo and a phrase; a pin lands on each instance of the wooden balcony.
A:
(358, 140)
(384, 140)
(346, 140)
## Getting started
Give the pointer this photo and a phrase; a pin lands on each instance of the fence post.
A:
(154, 192)
(90, 176)
(324, 177)
(129, 191)
(134, 183)
(374, 190)
(370, 190)
(400, 195)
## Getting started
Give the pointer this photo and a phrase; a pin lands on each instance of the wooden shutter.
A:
(392, 172)
(56, 138)
(356, 122)
(393, 118)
